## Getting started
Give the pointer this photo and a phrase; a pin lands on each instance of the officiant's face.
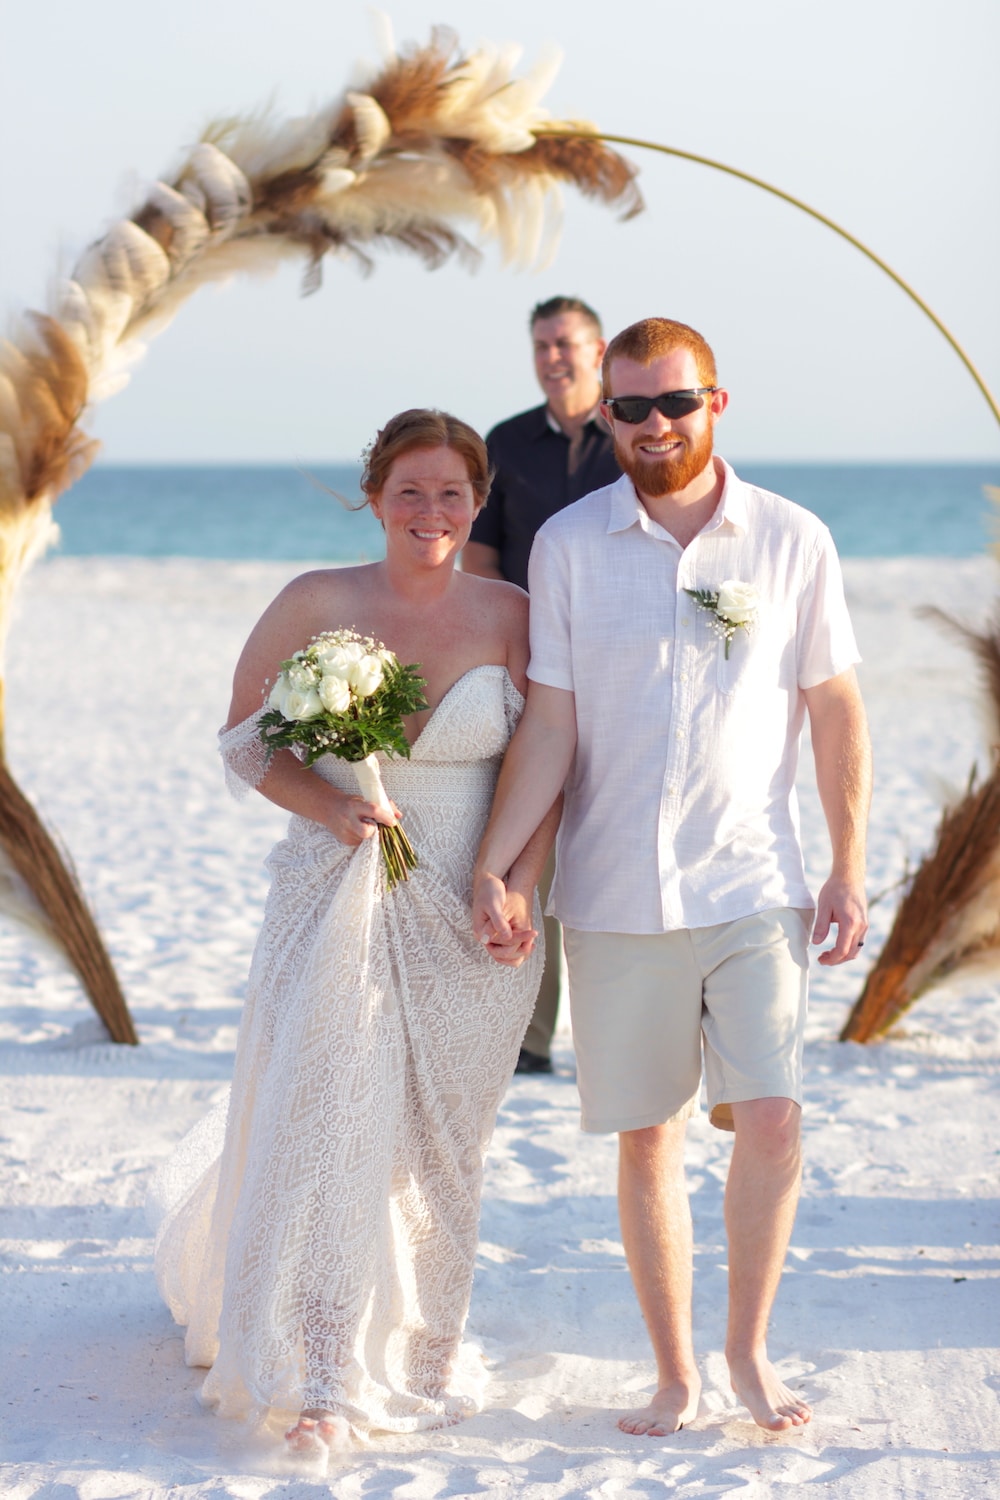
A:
(426, 506)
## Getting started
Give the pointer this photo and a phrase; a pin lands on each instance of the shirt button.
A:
(672, 791)
(685, 621)
(684, 677)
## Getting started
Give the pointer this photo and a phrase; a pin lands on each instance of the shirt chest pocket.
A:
(742, 666)
(732, 649)
(761, 659)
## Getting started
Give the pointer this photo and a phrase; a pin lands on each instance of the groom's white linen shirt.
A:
(680, 808)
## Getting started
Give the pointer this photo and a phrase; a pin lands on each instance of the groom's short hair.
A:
(652, 337)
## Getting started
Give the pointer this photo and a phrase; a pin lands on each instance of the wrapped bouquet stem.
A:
(346, 695)
(397, 851)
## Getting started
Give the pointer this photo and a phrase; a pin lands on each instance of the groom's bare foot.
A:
(771, 1404)
(317, 1432)
(670, 1408)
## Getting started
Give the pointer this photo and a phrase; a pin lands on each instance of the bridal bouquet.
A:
(346, 695)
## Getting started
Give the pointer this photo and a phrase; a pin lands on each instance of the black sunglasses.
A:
(633, 409)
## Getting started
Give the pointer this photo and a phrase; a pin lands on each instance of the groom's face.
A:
(662, 455)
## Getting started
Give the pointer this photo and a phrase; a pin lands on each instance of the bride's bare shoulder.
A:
(314, 600)
(324, 584)
(323, 599)
(500, 614)
(503, 602)
(308, 604)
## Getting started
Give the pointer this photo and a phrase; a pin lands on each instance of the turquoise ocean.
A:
(277, 513)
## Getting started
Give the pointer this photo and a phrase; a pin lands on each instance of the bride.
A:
(323, 1263)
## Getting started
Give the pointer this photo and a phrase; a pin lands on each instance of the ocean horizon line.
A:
(311, 510)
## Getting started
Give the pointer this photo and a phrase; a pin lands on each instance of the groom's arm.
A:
(531, 779)
(519, 895)
(842, 752)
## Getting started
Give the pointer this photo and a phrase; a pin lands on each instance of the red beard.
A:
(656, 477)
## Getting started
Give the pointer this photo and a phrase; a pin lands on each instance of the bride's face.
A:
(426, 506)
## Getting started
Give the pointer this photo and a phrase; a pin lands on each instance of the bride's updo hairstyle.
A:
(422, 427)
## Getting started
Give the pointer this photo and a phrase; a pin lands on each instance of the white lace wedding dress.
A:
(325, 1259)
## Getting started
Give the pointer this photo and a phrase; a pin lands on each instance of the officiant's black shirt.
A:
(533, 481)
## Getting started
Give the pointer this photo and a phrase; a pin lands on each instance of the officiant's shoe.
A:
(532, 1062)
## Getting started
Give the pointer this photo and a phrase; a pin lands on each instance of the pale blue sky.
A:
(883, 114)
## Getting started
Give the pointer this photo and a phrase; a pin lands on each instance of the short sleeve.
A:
(244, 755)
(551, 661)
(825, 643)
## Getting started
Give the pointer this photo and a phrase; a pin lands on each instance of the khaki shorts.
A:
(645, 1006)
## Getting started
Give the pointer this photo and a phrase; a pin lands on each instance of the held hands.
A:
(841, 904)
(501, 919)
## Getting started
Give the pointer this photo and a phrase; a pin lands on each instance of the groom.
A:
(683, 625)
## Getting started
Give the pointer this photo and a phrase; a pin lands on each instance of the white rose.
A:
(353, 650)
(276, 696)
(333, 661)
(366, 676)
(738, 601)
(334, 692)
(299, 705)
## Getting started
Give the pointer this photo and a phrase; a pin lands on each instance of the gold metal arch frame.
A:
(768, 187)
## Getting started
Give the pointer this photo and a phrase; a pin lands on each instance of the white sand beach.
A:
(118, 678)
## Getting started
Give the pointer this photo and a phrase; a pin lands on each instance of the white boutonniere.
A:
(732, 607)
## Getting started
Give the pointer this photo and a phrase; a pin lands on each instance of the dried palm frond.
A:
(52, 882)
(985, 647)
(430, 147)
(950, 913)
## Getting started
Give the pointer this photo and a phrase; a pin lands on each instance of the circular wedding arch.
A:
(433, 138)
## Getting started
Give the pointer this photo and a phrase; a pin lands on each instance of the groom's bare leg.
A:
(761, 1198)
(656, 1232)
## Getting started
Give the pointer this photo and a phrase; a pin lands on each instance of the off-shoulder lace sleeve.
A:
(513, 704)
(243, 755)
